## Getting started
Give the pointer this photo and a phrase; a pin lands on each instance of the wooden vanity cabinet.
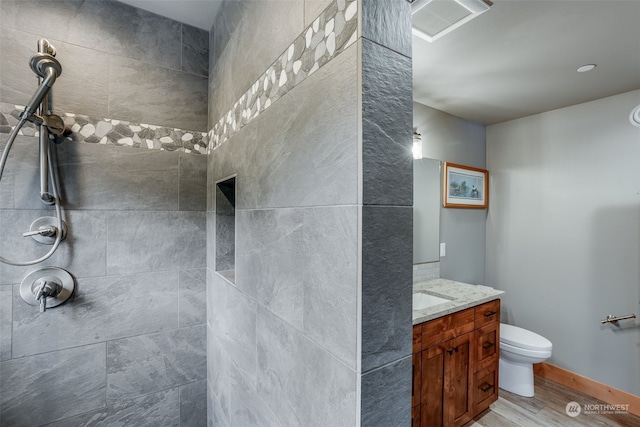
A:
(455, 362)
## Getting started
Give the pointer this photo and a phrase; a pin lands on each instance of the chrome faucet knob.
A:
(42, 231)
(44, 289)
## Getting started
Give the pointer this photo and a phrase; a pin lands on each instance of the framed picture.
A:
(465, 187)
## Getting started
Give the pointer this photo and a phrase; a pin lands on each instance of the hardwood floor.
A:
(548, 408)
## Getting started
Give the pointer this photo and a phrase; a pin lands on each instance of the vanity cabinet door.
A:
(447, 371)
(432, 390)
(417, 379)
(458, 378)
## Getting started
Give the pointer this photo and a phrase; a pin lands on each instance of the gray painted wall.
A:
(452, 139)
(316, 328)
(563, 233)
(129, 347)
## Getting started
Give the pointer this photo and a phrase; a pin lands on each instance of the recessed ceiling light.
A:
(586, 68)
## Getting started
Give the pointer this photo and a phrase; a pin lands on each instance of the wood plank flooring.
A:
(548, 408)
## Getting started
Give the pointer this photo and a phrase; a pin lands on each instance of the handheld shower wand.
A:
(48, 69)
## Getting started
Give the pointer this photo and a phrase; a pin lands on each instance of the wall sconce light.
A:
(417, 145)
(634, 118)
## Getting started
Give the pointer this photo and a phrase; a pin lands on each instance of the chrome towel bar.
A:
(614, 319)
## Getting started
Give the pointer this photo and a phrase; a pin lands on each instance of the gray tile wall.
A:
(323, 227)
(282, 340)
(267, 29)
(387, 214)
(129, 347)
(117, 61)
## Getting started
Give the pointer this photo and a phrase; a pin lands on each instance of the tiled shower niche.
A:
(226, 228)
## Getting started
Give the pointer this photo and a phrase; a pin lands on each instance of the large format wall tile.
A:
(236, 70)
(233, 321)
(155, 241)
(387, 121)
(313, 8)
(193, 404)
(330, 280)
(270, 260)
(101, 309)
(388, 23)
(154, 362)
(6, 309)
(247, 408)
(82, 253)
(192, 297)
(152, 410)
(101, 177)
(192, 190)
(39, 389)
(295, 160)
(126, 31)
(301, 264)
(195, 50)
(218, 380)
(149, 94)
(387, 245)
(386, 395)
(302, 384)
(83, 71)
(35, 16)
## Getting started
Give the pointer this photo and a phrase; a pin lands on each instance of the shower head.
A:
(49, 69)
(41, 61)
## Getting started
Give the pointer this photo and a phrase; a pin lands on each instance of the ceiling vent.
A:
(433, 19)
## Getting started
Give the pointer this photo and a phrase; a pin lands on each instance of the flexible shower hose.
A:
(54, 187)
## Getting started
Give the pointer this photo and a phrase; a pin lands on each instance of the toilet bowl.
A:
(519, 350)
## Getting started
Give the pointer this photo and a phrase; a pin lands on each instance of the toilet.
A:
(519, 350)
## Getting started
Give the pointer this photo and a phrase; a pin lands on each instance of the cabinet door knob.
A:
(490, 313)
(487, 345)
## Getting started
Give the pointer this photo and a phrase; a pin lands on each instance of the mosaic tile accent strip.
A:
(329, 35)
(113, 132)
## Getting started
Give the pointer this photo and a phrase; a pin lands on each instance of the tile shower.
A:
(313, 119)
(314, 327)
(130, 346)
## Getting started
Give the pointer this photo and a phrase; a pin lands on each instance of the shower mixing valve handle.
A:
(43, 290)
(42, 231)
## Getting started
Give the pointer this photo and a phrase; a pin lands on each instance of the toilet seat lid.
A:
(523, 338)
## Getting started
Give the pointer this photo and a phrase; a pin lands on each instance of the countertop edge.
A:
(440, 287)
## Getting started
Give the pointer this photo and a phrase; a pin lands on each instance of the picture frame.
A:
(464, 187)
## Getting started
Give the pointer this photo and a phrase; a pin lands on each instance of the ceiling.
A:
(520, 58)
(517, 59)
(197, 13)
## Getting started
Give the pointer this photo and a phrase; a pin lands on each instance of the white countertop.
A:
(462, 296)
